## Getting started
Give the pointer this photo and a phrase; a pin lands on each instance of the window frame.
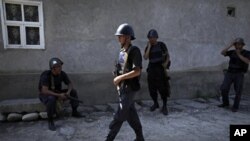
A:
(22, 24)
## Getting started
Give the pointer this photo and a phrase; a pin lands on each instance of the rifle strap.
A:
(52, 82)
(163, 51)
(125, 61)
(126, 58)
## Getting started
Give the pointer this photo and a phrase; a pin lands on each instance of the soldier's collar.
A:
(126, 50)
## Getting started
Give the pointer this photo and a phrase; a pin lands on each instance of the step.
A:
(22, 105)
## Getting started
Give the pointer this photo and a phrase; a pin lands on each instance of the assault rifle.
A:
(69, 97)
(117, 69)
(117, 72)
(74, 99)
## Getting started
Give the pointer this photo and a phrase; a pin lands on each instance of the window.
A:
(231, 11)
(22, 24)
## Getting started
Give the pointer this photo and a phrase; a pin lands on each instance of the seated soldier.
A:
(50, 87)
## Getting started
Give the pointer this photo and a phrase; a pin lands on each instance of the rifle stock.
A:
(69, 97)
(75, 99)
(119, 93)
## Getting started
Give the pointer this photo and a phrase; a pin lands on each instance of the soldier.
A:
(159, 61)
(238, 65)
(130, 62)
(50, 87)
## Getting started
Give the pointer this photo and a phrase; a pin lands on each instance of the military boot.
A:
(154, 107)
(164, 110)
(51, 125)
(76, 114)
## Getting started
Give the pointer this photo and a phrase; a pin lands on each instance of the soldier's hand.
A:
(237, 51)
(67, 95)
(165, 64)
(117, 80)
(62, 96)
(232, 43)
(149, 45)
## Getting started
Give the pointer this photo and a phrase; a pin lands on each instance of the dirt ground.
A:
(189, 120)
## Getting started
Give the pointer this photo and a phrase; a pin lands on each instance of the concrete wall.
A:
(81, 33)
(97, 88)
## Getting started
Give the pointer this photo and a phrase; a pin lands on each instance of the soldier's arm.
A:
(70, 87)
(134, 73)
(68, 82)
(146, 54)
(167, 59)
(224, 51)
(45, 90)
(242, 58)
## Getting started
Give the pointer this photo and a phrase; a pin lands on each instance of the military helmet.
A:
(239, 40)
(152, 34)
(125, 29)
(54, 61)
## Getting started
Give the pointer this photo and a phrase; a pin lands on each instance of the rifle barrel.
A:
(75, 99)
